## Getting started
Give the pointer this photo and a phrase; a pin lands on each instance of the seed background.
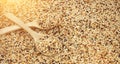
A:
(87, 32)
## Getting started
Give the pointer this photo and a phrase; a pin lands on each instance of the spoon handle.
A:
(21, 24)
(15, 27)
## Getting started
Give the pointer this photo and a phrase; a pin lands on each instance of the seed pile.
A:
(80, 32)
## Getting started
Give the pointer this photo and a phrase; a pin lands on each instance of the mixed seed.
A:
(88, 32)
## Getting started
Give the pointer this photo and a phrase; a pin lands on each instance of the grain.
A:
(88, 32)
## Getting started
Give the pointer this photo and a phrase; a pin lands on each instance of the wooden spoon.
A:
(36, 36)
(30, 24)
